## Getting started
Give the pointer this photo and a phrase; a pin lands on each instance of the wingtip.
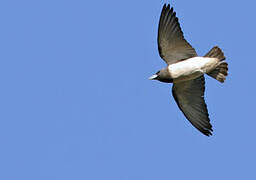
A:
(167, 6)
(208, 132)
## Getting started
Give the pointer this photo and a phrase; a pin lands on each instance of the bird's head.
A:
(163, 75)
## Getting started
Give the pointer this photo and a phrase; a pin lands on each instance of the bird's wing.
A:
(172, 46)
(189, 95)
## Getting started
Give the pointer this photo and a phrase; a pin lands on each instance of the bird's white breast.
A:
(192, 68)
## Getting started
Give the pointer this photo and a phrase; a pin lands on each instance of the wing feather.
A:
(172, 46)
(189, 96)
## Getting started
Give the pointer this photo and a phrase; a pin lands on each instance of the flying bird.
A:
(185, 69)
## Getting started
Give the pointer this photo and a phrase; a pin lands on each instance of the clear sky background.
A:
(76, 102)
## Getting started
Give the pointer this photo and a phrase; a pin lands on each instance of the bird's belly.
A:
(191, 68)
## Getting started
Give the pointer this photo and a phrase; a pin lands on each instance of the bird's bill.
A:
(153, 77)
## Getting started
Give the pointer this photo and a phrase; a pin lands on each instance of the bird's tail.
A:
(221, 71)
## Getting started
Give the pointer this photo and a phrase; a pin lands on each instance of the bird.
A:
(186, 70)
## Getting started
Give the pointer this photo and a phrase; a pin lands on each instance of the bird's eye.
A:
(158, 72)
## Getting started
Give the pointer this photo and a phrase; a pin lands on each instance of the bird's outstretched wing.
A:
(189, 96)
(171, 43)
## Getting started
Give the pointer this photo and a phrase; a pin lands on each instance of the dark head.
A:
(163, 75)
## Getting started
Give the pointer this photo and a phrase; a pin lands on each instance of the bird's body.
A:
(191, 68)
(185, 69)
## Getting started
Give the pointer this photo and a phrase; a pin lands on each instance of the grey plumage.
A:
(188, 94)
(171, 43)
(221, 71)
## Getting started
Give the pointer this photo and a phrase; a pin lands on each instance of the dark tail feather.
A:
(221, 71)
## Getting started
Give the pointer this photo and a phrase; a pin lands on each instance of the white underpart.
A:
(192, 68)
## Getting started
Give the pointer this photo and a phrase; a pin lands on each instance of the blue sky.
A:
(76, 102)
